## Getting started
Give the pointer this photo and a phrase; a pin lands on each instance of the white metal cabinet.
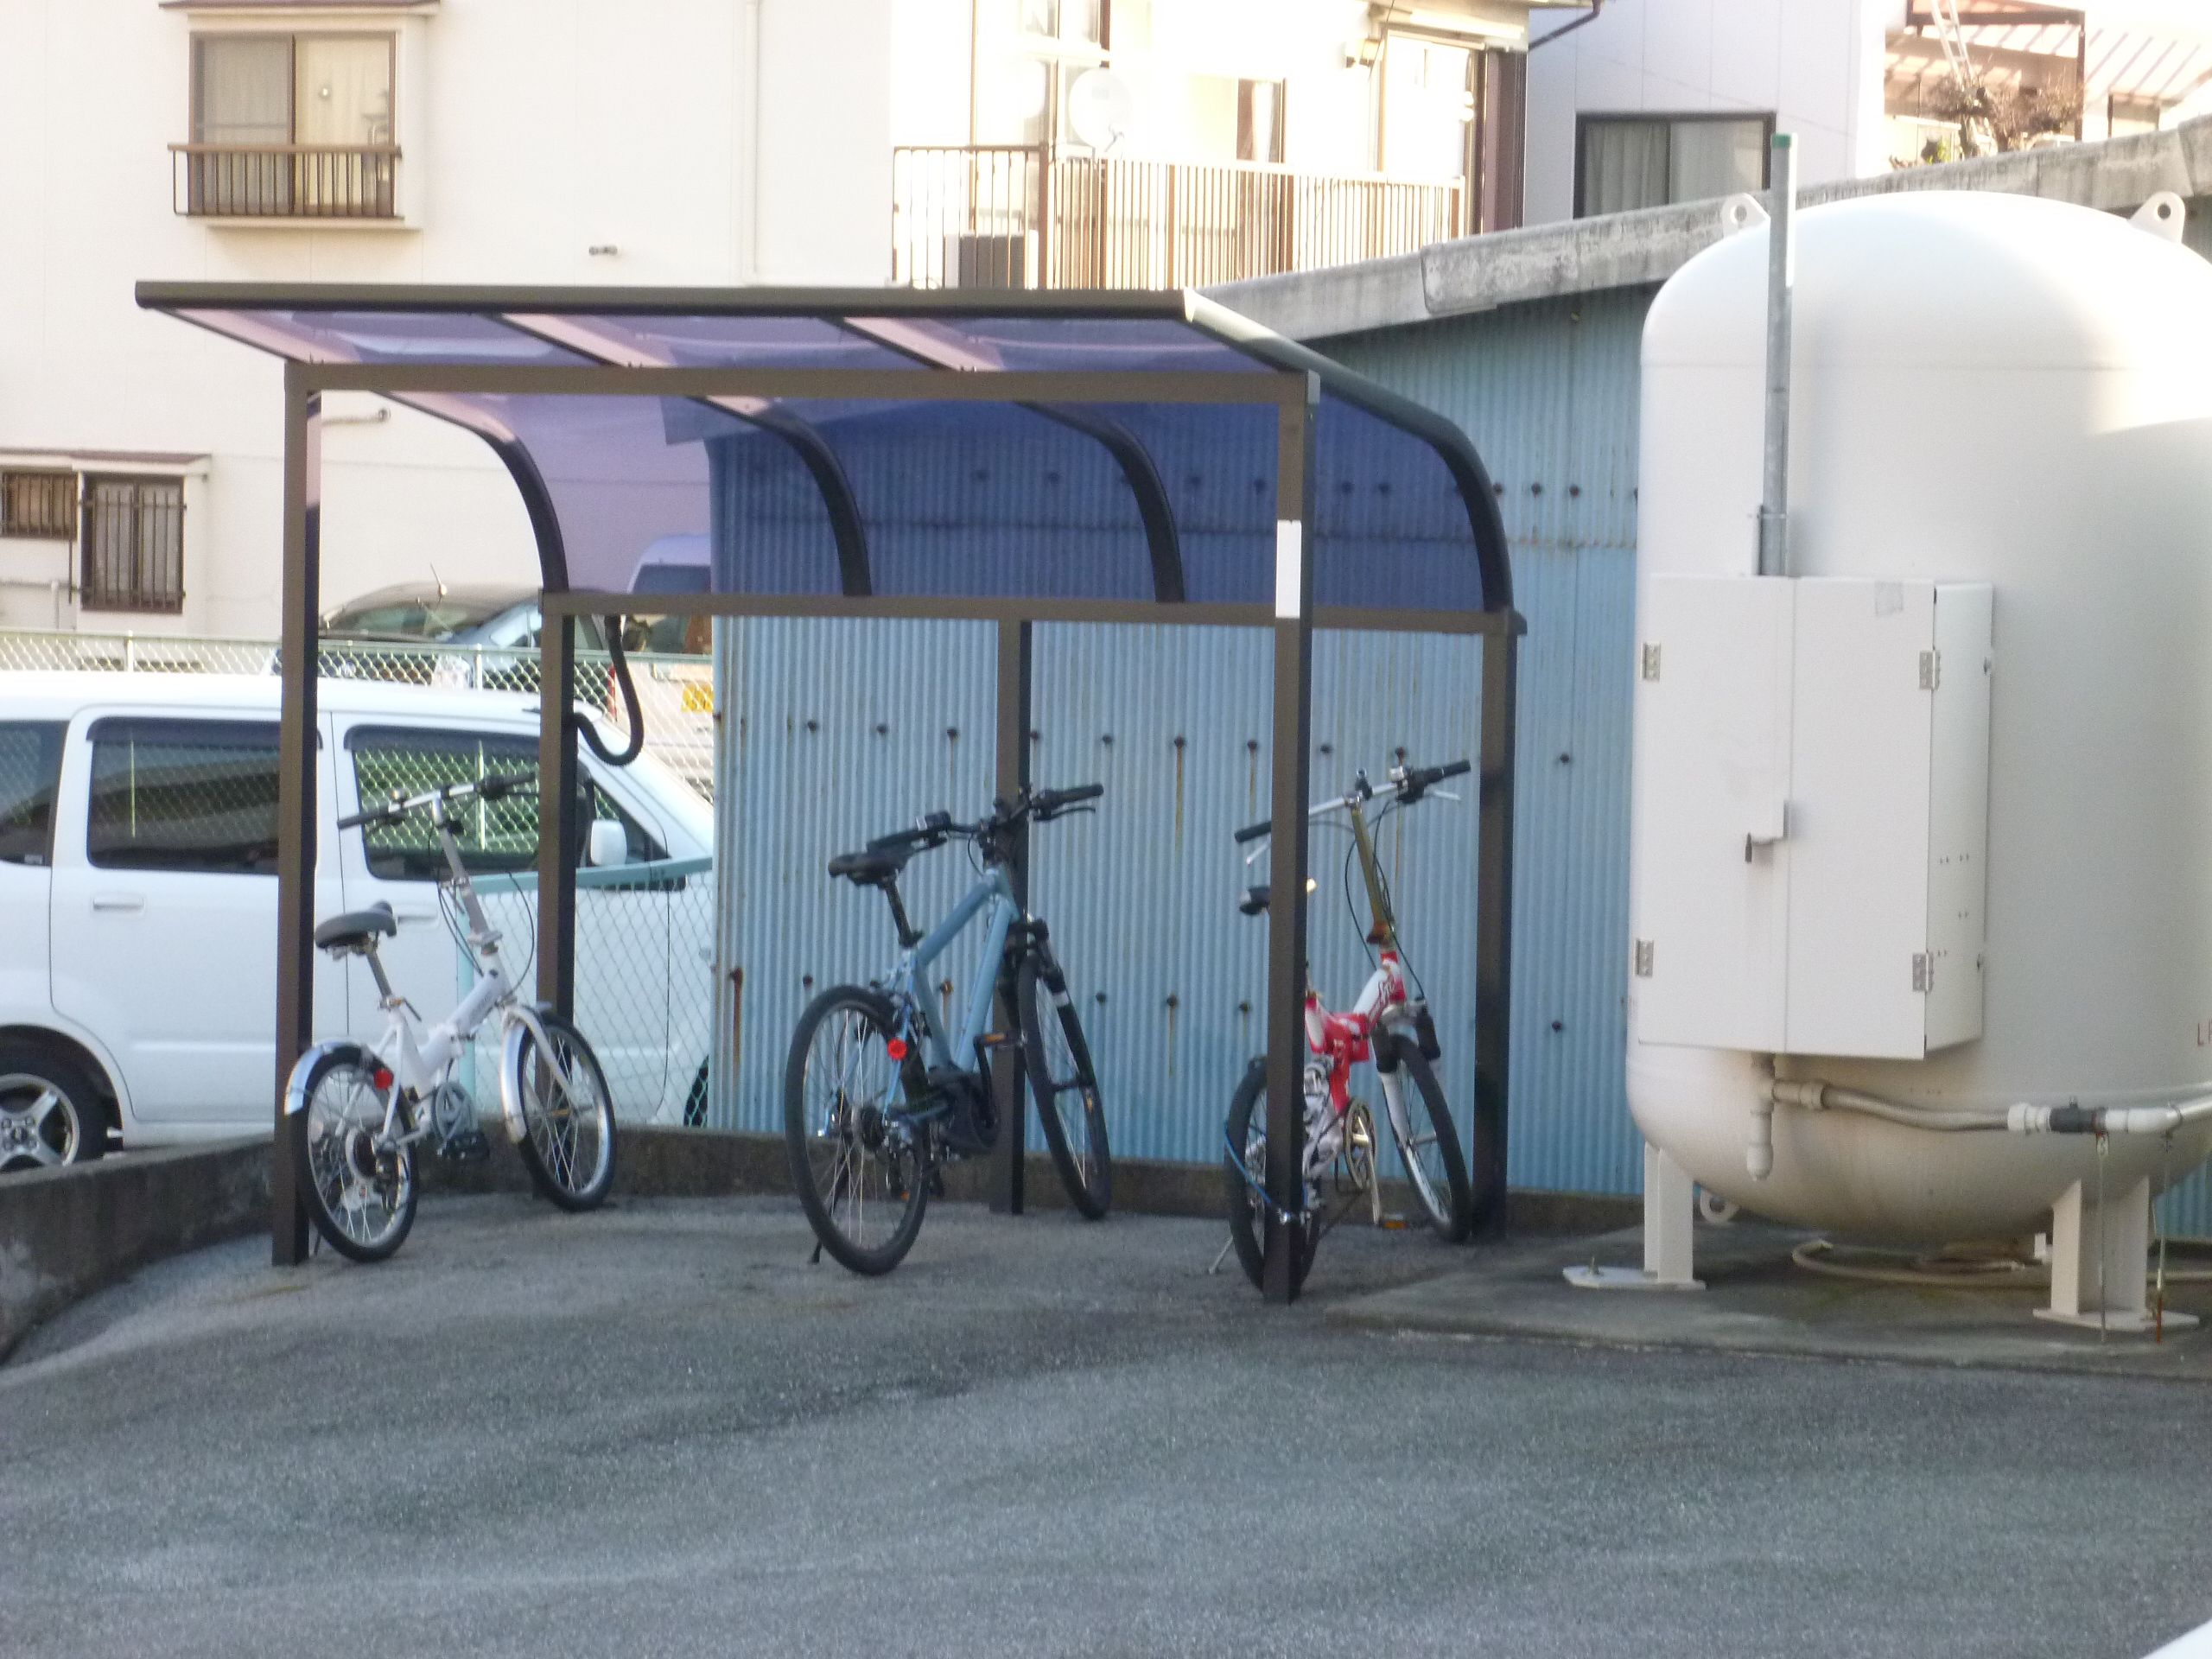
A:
(1813, 813)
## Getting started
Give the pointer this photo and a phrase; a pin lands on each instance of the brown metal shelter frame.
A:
(1287, 378)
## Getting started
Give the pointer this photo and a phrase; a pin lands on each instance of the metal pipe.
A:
(2106, 1120)
(1782, 277)
(1815, 1097)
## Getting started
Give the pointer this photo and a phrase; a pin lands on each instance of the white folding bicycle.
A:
(366, 1109)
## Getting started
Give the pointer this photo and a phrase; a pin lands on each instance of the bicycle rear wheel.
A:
(360, 1195)
(1428, 1146)
(1060, 1077)
(568, 1142)
(1244, 1178)
(861, 1175)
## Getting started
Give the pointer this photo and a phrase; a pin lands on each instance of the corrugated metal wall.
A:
(846, 730)
(1549, 392)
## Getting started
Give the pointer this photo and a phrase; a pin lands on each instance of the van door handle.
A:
(118, 901)
(399, 915)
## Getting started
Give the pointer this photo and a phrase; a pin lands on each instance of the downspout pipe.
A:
(1781, 280)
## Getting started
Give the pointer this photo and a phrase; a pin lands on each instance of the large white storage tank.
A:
(2001, 473)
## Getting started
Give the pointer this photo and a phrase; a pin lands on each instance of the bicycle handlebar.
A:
(935, 828)
(484, 789)
(1408, 783)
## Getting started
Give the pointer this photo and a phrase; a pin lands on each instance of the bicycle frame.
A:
(992, 895)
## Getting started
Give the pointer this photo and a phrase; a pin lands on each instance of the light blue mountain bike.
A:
(876, 1097)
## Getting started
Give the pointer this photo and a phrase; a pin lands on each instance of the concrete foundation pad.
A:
(1758, 1301)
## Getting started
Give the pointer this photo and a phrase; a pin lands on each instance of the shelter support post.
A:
(1669, 1235)
(1014, 680)
(1289, 786)
(296, 804)
(1494, 922)
(558, 831)
(2097, 1254)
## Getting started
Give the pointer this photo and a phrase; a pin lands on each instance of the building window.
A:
(2125, 115)
(133, 530)
(291, 126)
(197, 795)
(1627, 162)
(1258, 120)
(43, 504)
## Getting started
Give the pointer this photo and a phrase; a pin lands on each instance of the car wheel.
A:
(51, 1111)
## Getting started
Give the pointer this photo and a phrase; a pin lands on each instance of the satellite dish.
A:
(1100, 108)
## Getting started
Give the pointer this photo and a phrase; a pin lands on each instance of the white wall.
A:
(1815, 64)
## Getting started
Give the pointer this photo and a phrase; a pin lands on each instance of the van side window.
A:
(30, 767)
(496, 838)
(197, 795)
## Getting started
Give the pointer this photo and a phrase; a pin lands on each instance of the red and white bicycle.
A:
(1388, 1027)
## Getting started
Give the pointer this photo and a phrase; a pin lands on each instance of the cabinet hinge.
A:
(1644, 958)
(1651, 661)
(1923, 971)
(1931, 670)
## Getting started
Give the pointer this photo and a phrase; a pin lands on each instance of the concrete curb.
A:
(64, 1233)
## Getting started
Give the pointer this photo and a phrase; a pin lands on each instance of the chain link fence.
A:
(674, 694)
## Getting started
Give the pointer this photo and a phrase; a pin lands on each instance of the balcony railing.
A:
(286, 181)
(1023, 216)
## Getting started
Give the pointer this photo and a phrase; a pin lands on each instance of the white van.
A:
(138, 898)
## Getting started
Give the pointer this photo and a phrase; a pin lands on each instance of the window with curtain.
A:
(1630, 161)
(292, 125)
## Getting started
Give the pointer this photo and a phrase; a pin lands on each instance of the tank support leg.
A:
(1669, 1217)
(2097, 1261)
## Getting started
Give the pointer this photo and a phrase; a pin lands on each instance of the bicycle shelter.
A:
(763, 417)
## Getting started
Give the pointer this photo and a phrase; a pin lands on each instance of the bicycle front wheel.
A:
(1428, 1146)
(361, 1190)
(862, 1174)
(1245, 1177)
(567, 1110)
(1060, 1077)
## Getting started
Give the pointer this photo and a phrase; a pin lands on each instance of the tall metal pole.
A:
(558, 829)
(1015, 680)
(1289, 786)
(296, 804)
(1494, 922)
(1780, 280)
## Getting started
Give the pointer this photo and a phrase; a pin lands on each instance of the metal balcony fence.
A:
(286, 181)
(1028, 216)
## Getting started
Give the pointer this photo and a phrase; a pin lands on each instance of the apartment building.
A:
(1655, 101)
(995, 143)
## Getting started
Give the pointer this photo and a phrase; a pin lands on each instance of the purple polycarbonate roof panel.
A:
(1060, 500)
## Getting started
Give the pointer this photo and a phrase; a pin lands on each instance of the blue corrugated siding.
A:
(844, 730)
(1549, 393)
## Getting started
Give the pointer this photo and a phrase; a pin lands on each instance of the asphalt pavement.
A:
(658, 1431)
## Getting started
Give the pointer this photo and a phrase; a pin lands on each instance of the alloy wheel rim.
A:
(39, 1123)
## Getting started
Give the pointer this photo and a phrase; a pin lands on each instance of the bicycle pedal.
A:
(470, 1148)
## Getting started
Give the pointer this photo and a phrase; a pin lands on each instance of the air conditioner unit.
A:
(998, 260)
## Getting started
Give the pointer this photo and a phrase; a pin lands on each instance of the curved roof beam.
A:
(913, 339)
(1452, 446)
(607, 342)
